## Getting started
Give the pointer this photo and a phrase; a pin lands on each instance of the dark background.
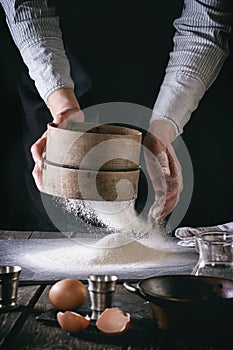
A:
(124, 47)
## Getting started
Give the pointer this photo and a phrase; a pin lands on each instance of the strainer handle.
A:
(134, 289)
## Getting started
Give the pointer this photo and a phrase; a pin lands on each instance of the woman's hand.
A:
(63, 106)
(163, 168)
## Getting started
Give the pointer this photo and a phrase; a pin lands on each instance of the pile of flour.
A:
(120, 249)
(116, 249)
(129, 240)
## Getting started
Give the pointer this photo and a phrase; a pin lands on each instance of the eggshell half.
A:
(113, 321)
(72, 322)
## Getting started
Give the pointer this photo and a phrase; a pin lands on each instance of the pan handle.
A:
(134, 289)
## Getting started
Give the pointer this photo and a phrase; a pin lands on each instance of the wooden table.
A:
(33, 326)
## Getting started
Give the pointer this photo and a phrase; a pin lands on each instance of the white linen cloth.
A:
(187, 234)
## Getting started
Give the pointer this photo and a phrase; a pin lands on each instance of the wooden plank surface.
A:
(48, 334)
(45, 333)
(9, 235)
(47, 235)
(39, 330)
(33, 325)
(8, 320)
(5, 234)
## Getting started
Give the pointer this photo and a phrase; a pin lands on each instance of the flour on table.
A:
(127, 240)
(115, 249)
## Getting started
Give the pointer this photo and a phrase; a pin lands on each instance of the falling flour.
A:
(106, 216)
(101, 213)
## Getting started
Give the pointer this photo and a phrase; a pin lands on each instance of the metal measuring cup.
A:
(101, 290)
(9, 278)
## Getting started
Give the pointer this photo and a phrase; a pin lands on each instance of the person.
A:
(48, 89)
(200, 49)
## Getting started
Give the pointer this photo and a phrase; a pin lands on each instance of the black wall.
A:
(124, 47)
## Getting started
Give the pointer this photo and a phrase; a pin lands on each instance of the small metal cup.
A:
(101, 290)
(9, 278)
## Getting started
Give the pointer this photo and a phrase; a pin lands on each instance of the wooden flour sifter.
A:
(92, 161)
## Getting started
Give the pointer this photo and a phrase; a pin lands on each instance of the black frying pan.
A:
(187, 302)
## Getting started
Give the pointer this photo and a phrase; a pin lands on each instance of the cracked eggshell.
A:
(72, 322)
(113, 321)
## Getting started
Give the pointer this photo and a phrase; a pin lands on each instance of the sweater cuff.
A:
(171, 121)
(178, 97)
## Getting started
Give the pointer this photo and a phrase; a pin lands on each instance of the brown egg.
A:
(72, 322)
(113, 321)
(68, 294)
